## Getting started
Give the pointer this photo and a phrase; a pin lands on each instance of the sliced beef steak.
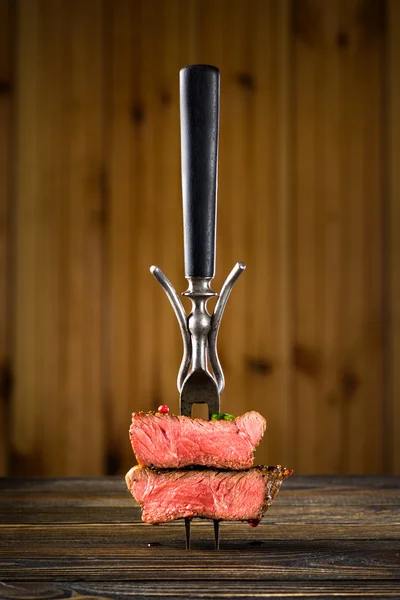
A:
(172, 442)
(224, 495)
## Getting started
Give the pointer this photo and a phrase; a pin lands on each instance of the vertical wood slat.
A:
(57, 408)
(237, 102)
(328, 184)
(306, 229)
(169, 224)
(370, 18)
(338, 349)
(124, 166)
(25, 402)
(147, 224)
(392, 228)
(6, 42)
(268, 315)
(51, 198)
(361, 383)
(353, 268)
(86, 213)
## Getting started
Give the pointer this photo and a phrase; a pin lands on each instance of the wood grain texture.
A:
(338, 244)
(392, 290)
(25, 402)
(200, 589)
(323, 537)
(123, 157)
(57, 420)
(97, 200)
(6, 105)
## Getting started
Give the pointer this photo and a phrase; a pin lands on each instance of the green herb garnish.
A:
(222, 417)
(228, 417)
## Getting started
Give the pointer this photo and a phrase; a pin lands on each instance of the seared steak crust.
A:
(212, 494)
(172, 442)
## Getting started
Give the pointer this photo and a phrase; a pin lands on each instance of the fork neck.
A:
(199, 320)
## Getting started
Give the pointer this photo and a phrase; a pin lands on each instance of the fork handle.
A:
(199, 106)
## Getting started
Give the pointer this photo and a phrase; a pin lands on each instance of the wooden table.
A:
(324, 537)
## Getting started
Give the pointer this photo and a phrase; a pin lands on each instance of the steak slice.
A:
(224, 495)
(173, 442)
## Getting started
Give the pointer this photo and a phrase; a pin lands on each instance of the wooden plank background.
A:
(90, 164)
(6, 103)
(392, 290)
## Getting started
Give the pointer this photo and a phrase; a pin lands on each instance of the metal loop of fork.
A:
(180, 313)
(199, 292)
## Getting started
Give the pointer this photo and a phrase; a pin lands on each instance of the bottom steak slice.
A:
(224, 495)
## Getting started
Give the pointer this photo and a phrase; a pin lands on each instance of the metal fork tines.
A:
(187, 533)
(216, 533)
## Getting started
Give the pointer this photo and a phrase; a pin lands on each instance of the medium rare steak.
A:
(172, 442)
(223, 495)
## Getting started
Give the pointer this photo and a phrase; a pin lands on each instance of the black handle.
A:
(199, 96)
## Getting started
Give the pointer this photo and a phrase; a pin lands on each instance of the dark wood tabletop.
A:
(324, 537)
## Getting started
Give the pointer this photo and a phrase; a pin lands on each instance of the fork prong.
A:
(216, 533)
(187, 532)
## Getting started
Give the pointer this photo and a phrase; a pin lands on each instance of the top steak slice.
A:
(207, 493)
(172, 442)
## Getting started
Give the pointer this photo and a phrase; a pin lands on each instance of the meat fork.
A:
(200, 377)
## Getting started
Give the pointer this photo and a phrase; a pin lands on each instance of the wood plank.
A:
(328, 190)
(268, 343)
(25, 403)
(6, 100)
(275, 560)
(43, 538)
(58, 402)
(237, 104)
(52, 193)
(353, 268)
(284, 519)
(147, 228)
(123, 160)
(170, 236)
(372, 34)
(392, 227)
(181, 590)
(285, 322)
(307, 41)
(238, 589)
(338, 194)
(361, 367)
(85, 218)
